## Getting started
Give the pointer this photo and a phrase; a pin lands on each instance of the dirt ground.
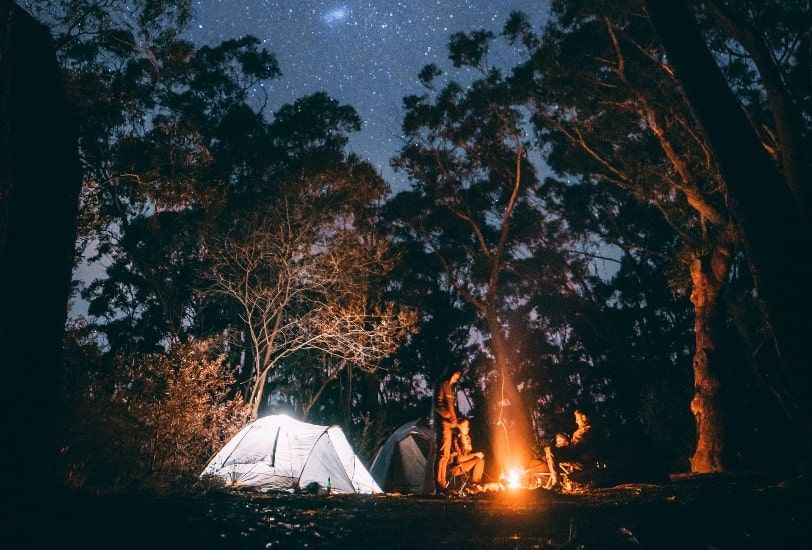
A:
(742, 511)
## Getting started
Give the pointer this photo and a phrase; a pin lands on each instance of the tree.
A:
(609, 105)
(774, 41)
(301, 281)
(164, 187)
(151, 419)
(164, 136)
(766, 218)
(39, 184)
(178, 152)
(475, 213)
(606, 104)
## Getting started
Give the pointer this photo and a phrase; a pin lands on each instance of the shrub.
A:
(151, 422)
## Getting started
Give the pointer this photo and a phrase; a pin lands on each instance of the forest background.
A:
(572, 233)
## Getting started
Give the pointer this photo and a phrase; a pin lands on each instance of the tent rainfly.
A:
(278, 452)
(404, 463)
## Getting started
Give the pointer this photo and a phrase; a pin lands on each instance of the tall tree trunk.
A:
(40, 180)
(307, 407)
(508, 417)
(776, 233)
(709, 274)
(787, 119)
(257, 393)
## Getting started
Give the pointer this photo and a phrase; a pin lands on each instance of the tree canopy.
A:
(571, 232)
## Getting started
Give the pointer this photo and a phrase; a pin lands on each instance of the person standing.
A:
(445, 420)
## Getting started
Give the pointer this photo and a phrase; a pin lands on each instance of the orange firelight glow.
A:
(514, 477)
(510, 430)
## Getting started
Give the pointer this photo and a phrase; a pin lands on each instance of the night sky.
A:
(365, 53)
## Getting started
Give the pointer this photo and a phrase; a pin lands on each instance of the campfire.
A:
(514, 476)
(517, 477)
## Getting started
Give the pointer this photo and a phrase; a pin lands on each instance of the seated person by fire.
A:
(464, 461)
(572, 462)
(579, 457)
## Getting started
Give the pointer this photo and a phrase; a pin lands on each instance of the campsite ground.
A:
(730, 511)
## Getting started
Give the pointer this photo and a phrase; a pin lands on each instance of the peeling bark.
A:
(776, 233)
(709, 274)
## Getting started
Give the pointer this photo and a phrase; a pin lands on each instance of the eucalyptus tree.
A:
(163, 133)
(763, 50)
(607, 106)
(610, 109)
(475, 215)
(187, 174)
(301, 277)
(765, 179)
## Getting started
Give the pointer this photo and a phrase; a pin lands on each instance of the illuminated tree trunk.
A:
(508, 417)
(708, 276)
(256, 395)
(776, 232)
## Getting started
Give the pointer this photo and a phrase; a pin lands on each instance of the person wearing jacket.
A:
(582, 451)
(445, 420)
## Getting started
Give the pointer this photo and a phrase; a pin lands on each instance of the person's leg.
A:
(539, 472)
(460, 467)
(464, 465)
(538, 466)
(479, 467)
(455, 471)
(443, 455)
(438, 455)
(551, 465)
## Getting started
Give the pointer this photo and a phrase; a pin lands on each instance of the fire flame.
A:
(514, 478)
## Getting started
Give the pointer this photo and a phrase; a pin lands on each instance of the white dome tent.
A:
(278, 452)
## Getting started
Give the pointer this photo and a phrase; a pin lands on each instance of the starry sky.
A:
(365, 53)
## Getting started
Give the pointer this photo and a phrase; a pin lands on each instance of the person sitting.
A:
(579, 456)
(464, 459)
(538, 467)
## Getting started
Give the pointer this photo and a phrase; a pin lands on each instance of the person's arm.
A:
(583, 445)
(586, 439)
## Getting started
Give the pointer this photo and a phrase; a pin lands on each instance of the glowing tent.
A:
(278, 452)
(404, 463)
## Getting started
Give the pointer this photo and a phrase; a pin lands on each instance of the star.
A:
(365, 53)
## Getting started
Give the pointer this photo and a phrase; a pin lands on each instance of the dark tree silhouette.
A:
(777, 233)
(40, 180)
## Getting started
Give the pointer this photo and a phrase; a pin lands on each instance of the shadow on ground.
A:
(741, 511)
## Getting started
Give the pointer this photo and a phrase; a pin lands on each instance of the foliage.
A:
(507, 278)
(611, 113)
(554, 212)
(303, 282)
(180, 158)
(149, 422)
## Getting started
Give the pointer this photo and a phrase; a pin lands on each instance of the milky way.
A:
(366, 54)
